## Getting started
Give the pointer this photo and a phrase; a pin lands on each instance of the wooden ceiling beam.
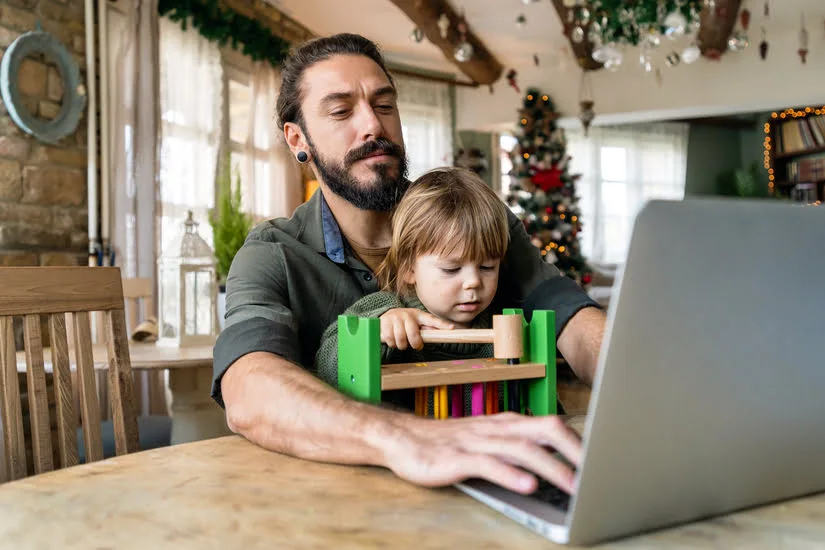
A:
(482, 68)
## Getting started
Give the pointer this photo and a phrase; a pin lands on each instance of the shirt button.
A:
(367, 277)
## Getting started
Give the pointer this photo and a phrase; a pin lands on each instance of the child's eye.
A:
(487, 267)
(451, 270)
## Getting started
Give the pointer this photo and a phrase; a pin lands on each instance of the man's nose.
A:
(369, 125)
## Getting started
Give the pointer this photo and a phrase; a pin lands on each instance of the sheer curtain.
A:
(271, 183)
(133, 54)
(621, 168)
(191, 98)
(426, 118)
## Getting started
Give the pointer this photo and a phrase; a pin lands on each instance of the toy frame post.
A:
(359, 357)
(540, 347)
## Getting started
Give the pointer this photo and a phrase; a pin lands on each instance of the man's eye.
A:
(385, 108)
(339, 113)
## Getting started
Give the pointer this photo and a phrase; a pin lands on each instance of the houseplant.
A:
(230, 226)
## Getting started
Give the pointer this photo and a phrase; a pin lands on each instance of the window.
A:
(191, 77)
(621, 168)
(426, 121)
(506, 144)
(213, 102)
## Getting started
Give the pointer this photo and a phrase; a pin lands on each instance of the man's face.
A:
(353, 131)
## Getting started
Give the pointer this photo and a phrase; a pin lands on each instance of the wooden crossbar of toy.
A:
(524, 358)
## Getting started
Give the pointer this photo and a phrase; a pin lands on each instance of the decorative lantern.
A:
(187, 291)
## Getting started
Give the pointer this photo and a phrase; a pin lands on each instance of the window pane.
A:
(614, 199)
(616, 238)
(614, 163)
(240, 97)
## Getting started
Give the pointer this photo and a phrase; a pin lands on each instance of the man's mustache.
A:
(380, 145)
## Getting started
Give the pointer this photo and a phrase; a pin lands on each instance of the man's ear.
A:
(294, 137)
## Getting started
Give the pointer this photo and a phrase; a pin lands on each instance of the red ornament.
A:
(548, 210)
(745, 18)
(547, 179)
(586, 278)
(511, 80)
(713, 54)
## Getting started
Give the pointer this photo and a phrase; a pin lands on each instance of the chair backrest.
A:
(55, 291)
(137, 295)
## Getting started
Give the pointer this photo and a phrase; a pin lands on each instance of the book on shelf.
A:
(799, 134)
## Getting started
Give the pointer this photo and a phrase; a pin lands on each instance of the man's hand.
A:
(401, 327)
(502, 448)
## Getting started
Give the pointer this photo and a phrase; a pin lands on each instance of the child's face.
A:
(454, 289)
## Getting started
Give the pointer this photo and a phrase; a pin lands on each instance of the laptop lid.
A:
(710, 395)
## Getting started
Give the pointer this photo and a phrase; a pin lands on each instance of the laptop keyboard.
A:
(549, 493)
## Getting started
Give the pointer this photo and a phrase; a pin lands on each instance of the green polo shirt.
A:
(294, 276)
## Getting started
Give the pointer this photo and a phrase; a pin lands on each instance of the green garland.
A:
(611, 16)
(222, 25)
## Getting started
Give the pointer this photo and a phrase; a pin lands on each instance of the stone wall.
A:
(43, 200)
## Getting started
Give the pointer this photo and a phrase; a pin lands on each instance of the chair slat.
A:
(38, 398)
(64, 400)
(121, 384)
(12, 413)
(89, 407)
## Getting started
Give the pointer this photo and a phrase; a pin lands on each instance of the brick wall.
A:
(43, 201)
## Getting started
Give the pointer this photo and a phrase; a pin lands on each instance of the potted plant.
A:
(230, 227)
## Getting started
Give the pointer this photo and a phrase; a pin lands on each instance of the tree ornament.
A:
(803, 41)
(511, 79)
(745, 18)
(443, 25)
(763, 46)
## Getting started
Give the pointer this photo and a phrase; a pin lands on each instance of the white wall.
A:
(737, 83)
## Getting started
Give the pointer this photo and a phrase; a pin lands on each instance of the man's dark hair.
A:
(320, 49)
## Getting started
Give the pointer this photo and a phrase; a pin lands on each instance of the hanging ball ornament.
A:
(521, 21)
(577, 34)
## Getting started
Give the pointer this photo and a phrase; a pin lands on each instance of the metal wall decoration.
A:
(74, 95)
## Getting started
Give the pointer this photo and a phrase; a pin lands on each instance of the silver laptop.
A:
(710, 395)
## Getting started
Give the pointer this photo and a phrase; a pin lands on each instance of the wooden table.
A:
(195, 415)
(229, 493)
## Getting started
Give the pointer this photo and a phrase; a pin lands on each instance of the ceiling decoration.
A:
(602, 32)
(437, 22)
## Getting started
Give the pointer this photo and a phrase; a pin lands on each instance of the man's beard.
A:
(381, 195)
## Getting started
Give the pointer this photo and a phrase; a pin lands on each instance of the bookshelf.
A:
(795, 153)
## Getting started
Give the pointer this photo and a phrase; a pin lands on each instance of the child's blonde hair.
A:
(444, 211)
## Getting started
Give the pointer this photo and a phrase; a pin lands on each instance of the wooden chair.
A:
(55, 291)
(150, 386)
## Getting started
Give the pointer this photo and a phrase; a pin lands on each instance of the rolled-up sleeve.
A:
(258, 317)
(537, 285)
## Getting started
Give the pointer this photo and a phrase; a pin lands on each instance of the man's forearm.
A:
(281, 407)
(580, 342)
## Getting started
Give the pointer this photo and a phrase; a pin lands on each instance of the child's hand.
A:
(401, 327)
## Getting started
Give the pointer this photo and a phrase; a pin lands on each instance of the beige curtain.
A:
(133, 92)
(271, 182)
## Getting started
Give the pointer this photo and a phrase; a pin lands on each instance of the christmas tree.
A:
(542, 192)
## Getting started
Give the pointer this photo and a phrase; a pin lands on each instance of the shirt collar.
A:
(333, 241)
